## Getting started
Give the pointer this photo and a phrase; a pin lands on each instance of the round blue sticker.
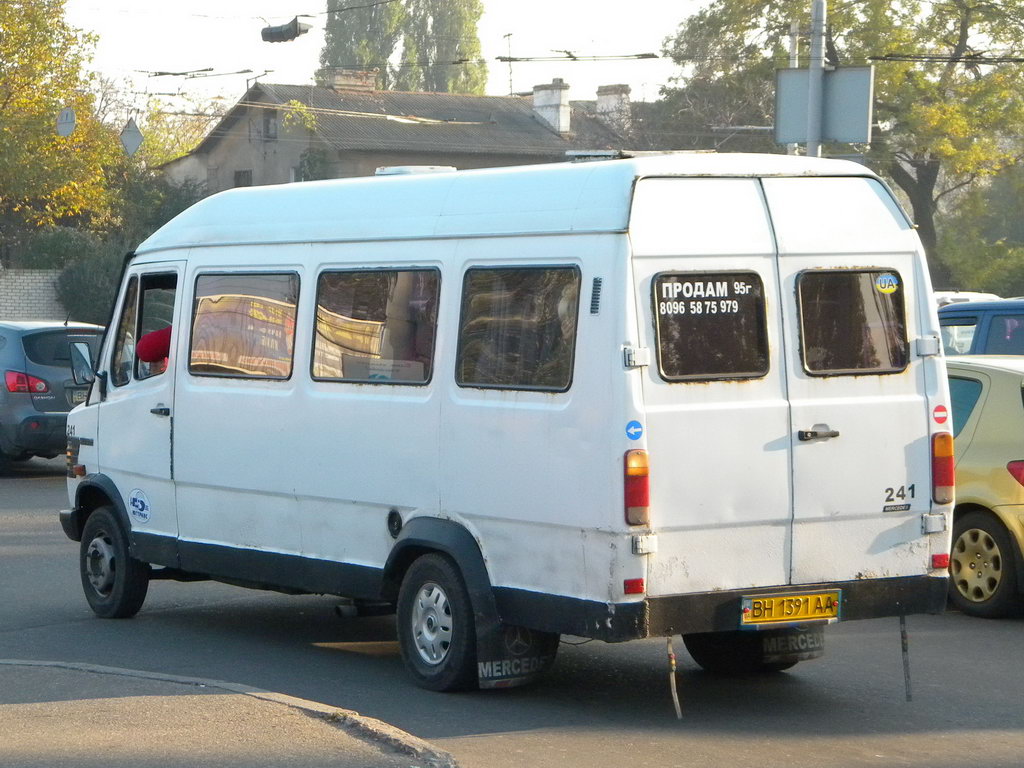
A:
(634, 430)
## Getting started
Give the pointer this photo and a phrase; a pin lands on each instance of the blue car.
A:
(983, 327)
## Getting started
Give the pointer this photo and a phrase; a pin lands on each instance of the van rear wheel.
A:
(436, 631)
(731, 653)
(115, 583)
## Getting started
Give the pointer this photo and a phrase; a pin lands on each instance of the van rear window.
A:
(243, 325)
(710, 325)
(518, 328)
(852, 322)
(376, 326)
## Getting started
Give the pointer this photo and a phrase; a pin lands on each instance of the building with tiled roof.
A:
(281, 133)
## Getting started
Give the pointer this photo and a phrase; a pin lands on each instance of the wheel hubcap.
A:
(100, 564)
(977, 565)
(432, 623)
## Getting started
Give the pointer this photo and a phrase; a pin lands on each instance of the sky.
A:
(140, 36)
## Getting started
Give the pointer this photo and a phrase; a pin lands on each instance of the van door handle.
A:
(817, 434)
(165, 411)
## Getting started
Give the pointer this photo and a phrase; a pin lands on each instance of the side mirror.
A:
(82, 370)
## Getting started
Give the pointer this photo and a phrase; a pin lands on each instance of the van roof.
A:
(549, 198)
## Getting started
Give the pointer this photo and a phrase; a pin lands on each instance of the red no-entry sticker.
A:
(940, 414)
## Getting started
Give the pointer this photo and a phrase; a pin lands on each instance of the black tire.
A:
(982, 566)
(731, 653)
(115, 583)
(436, 631)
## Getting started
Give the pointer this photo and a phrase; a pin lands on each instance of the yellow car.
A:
(986, 565)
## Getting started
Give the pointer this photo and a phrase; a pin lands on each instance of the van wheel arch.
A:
(97, 491)
(426, 535)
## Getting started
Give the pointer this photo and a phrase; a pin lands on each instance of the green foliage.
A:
(952, 120)
(87, 287)
(436, 41)
(314, 165)
(984, 236)
(45, 177)
(299, 115)
(55, 248)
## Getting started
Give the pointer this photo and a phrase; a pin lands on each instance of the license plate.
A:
(78, 396)
(761, 610)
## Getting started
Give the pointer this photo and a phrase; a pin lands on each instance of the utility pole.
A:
(794, 62)
(508, 39)
(815, 79)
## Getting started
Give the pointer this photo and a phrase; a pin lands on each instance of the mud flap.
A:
(509, 656)
(793, 644)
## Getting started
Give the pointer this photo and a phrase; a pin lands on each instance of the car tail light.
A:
(22, 382)
(1016, 468)
(638, 491)
(943, 473)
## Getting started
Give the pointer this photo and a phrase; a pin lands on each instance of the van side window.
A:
(518, 328)
(957, 334)
(124, 344)
(710, 325)
(156, 311)
(852, 322)
(243, 325)
(376, 326)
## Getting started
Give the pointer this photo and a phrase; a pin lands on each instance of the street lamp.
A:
(285, 32)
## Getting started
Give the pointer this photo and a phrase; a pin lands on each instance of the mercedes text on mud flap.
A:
(691, 395)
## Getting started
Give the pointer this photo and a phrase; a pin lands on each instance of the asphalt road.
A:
(602, 705)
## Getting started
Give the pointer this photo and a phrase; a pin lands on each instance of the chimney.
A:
(551, 104)
(341, 79)
(613, 107)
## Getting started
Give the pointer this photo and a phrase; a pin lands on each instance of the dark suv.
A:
(37, 390)
(983, 327)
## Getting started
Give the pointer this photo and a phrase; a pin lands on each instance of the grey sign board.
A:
(847, 98)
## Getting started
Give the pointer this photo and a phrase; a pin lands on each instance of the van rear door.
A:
(717, 423)
(850, 271)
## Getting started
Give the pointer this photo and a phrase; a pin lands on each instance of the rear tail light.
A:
(943, 475)
(638, 493)
(940, 561)
(22, 382)
(1016, 468)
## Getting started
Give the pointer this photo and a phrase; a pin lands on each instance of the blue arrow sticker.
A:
(634, 430)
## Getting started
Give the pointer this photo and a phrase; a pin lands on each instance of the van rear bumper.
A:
(862, 599)
(708, 611)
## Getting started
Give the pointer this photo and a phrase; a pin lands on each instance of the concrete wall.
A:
(30, 294)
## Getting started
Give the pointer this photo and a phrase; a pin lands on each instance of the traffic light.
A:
(285, 32)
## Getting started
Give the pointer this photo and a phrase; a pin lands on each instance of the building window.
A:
(518, 328)
(243, 178)
(243, 325)
(710, 325)
(376, 326)
(269, 125)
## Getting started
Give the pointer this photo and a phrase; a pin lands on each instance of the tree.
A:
(435, 43)
(984, 236)
(45, 178)
(953, 116)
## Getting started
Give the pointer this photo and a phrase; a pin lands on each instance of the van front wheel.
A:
(115, 583)
(436, 632)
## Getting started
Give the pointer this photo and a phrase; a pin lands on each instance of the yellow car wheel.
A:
(982, 570)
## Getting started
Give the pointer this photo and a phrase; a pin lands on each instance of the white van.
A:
(687, 394)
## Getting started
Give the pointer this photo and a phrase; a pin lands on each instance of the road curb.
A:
(361, 726)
